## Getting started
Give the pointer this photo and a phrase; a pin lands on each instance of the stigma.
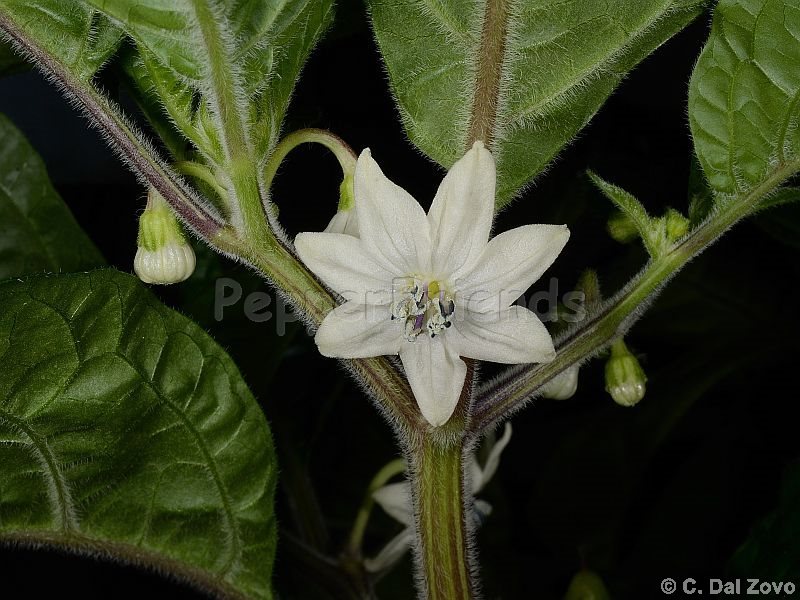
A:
(422, 307)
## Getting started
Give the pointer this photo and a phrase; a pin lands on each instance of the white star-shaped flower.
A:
(395, 499)
(433, 288)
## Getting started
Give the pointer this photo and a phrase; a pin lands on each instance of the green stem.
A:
(203, 173)
(272, 259)
(489, 72)
(443, 551)
(313, 302)
(513, 388)
(123, 137)
(343, 153)
(223, 91)
(362, 518)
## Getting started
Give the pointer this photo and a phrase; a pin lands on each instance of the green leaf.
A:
(744, 93)
(525, 76)
(125, 430)
(243, 58)
(633, 209)
(80, 36)
(292, 35)
(170, 105)
(37, 231)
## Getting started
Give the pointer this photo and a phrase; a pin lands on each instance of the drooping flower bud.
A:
(562, 386)
(625, 378)
(163, 255)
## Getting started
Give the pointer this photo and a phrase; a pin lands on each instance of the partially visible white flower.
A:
(432, 288)
(562, 386)
(163, 255)
(395, 499)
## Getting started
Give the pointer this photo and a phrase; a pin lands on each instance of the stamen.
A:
(423, 307)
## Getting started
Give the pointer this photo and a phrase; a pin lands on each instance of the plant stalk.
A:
(506, 394)
(443, 549)
(343, 153)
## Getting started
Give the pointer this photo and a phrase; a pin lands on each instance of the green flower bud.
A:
(676, 224)
(589, 284)
(163, 255)
(562, 386)
(587, 585)
(622, 228)
(625, 379)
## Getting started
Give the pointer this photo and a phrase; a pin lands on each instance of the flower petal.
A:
(511, 262)
(344, 221)
(493, 460)
(342, 263)
(436, 375)
(512, 336)
(391, 552)
(395, 499)
(461, 213)
(391, 224)
(355, 330)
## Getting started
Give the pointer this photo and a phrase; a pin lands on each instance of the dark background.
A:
(671, 488)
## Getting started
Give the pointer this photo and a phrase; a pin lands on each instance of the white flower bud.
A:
(562, 386)
(625, 379)
(172, 263)
(163, 256)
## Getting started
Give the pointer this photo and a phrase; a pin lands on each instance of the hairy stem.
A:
(442, 550)
(123, 136)
(343, 153)
(268, 256)
(312, 303)
(203, 173)
(223, 92)
(511, 390)
(489, 73)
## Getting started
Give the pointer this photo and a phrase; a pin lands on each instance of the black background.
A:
(671, 488)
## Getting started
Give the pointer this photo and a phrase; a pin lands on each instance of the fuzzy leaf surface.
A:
(126, 430)
(745, 92)
(79, 35)
(523, 75)
(252, 51)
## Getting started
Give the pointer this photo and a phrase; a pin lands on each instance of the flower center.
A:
(422, 306)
